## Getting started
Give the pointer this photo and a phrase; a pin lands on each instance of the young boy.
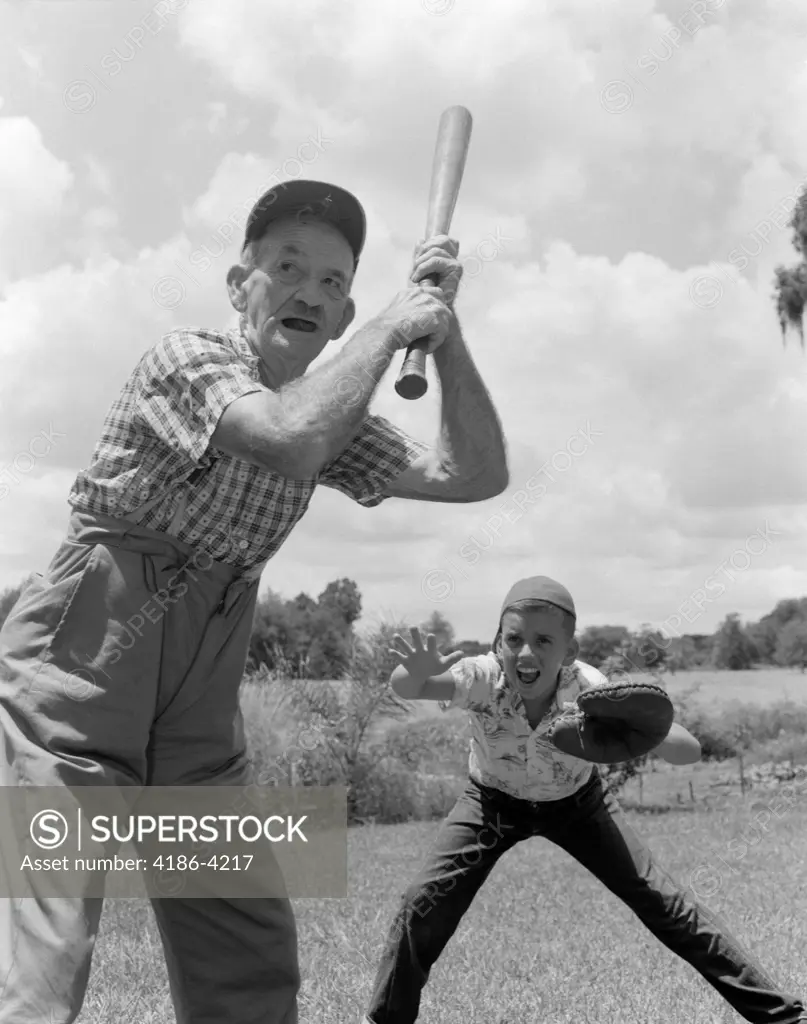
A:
(522, 786)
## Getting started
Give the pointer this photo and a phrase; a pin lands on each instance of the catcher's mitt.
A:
(615, 723)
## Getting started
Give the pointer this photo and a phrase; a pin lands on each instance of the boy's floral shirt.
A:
(506, 754)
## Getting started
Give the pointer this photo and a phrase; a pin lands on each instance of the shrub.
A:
(735, 727)
(718, 742)
(318, 733)
(787, 748)
(439, 746)
(386, 791)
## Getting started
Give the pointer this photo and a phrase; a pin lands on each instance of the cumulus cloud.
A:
(33, 510)
(625, 202)
(33, 184)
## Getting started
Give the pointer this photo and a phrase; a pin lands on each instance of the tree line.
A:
(778, 638)
(315, 638)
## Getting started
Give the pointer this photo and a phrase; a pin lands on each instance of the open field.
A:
(544, 941)
(761, 686)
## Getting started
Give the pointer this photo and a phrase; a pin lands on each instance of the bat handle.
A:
(412, 381)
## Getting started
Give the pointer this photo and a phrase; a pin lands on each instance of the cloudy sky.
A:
(626, 198)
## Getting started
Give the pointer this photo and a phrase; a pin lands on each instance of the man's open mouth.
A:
(528, 676)
(295, 323)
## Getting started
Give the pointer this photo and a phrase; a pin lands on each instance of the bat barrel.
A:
(450, 152)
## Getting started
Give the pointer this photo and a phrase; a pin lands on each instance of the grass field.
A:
(544, 941)
(762, 686)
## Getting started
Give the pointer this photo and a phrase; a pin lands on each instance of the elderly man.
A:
(207, 460)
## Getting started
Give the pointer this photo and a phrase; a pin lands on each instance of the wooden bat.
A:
(453, 137)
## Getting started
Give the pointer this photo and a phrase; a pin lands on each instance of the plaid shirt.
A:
(506, 754)
(157, 434)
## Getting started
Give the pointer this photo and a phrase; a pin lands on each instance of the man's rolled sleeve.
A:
(376, 456)
(473, 684)
(186, 382)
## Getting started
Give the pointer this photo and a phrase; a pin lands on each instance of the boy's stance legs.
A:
(591, 827)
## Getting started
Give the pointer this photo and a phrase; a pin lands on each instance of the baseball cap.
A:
(341, 209)
(539, 588)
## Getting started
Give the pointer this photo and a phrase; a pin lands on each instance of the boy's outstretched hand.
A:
(421, 662)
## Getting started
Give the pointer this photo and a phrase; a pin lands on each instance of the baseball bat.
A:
(451, 149)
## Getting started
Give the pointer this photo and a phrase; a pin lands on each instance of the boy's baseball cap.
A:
(539, 588)
(536, 588)
(342, 209)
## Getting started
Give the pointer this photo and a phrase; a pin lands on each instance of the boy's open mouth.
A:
(295, 323)
(528, 675)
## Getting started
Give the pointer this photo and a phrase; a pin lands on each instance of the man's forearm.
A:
(327, 406)
(471, 444)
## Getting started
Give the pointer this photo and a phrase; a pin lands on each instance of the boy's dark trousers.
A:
(591, 827)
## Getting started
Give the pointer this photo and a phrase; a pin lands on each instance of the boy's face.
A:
(533, 647)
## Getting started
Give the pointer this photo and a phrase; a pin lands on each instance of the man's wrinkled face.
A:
(297, 297)
(533, 647)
